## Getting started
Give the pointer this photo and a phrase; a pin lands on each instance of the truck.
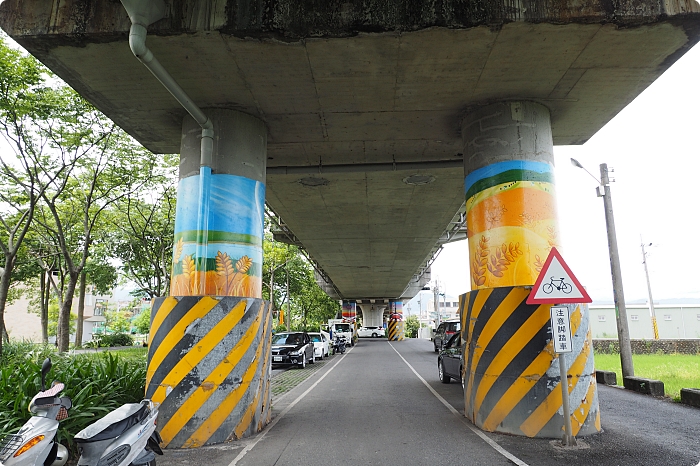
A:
(343, 327)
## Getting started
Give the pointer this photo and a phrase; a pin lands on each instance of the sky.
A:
(654, 147)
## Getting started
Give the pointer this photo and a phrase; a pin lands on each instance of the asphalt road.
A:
(381, 404)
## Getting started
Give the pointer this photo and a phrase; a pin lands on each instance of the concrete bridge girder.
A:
(361, 84)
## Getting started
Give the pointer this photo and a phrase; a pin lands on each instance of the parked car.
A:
(450, 361)
(292, 348)
(370, 332)
(321, 341)
(444, 332)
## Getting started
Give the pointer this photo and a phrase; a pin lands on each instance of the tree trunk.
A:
(4, 289)
(44, 307)
(81, 311)
(63, 337)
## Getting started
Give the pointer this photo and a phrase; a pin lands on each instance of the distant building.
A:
(673, 321)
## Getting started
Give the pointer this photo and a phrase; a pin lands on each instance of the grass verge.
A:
(676, 371)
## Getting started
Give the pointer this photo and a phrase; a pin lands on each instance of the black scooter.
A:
(339, 344)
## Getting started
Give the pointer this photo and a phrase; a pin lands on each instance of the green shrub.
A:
(97, 383)
(106, 341)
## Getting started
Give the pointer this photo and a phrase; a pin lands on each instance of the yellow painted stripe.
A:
(166, 306)
(597, 420)
(199, 310)
(200, 350)
(544, 412)
(518, 389)
(247, 418)
(208, 385)
(580, 413)
(509, 351)
(524, 383)
(213, 422)
(500, 315)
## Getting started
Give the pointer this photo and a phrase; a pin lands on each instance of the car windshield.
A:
(342, 328)
(287, 339)
(315, 338)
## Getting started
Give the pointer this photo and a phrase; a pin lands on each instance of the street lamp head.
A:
(576, 163)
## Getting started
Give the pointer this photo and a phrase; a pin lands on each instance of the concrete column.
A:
(396, 331)
(511, 374)
(209, 354)
(221, 256)
(372, 315)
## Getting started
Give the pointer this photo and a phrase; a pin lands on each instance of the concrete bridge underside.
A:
(361, 96)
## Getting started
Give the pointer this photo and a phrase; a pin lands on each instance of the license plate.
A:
(277, 358)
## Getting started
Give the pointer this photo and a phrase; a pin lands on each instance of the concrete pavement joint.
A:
(483, 436)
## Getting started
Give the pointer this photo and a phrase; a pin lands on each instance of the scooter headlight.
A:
(32, 442)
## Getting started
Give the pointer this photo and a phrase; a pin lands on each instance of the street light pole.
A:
(623, 334)
(651, 300)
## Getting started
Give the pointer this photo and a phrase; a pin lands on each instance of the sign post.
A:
(556, 285)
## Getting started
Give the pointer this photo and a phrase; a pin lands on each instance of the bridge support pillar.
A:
(372, 315)
(209, 355)
(511, 373)
(396, 328)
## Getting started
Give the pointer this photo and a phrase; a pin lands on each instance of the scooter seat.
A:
(114, 424)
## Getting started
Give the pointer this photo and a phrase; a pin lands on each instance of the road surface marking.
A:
(483, 436)
(252, 444)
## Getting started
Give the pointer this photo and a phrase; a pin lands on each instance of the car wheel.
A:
(374, 335)
(435, 347)
(302, 364)
(444, 378)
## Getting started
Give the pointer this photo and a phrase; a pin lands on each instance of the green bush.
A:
(106, 341)
(97, 383)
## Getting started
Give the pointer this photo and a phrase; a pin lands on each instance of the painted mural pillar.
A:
(511, 373)
(396, 324)
(209, 354)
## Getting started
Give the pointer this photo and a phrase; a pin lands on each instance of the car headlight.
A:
(295, 353)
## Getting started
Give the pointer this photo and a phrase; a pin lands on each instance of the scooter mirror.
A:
(45, 368)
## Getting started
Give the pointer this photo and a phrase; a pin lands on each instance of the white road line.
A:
(252, 444)
(463, 419)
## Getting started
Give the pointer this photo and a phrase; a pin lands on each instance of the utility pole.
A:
(436, 301)
(623, 333)
(654, 326)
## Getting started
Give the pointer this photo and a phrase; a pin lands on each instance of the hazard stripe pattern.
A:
(209, 368)
(396, 331)
(511, 373)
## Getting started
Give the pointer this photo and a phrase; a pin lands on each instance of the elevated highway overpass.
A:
(374, 131)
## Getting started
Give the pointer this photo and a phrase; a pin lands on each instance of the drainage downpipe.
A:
(137, 43)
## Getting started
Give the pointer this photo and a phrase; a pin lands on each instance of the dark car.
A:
(450, 361)
(444, 332)
(292, 349)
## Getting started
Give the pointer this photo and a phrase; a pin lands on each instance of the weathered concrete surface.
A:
(606, 377)
(367, 82)
(690, 396)
(644, 386)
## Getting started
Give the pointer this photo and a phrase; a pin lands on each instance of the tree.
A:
(118, 321)
(107, 166)
(411, 326)
(142, 322)
(26, 104)
(143, 232)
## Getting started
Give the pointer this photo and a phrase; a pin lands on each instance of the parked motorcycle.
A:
(125, 437)
(35, 444)
(339, 344)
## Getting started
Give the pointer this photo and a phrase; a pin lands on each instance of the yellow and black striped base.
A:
(209, 368)
(396, 331)
(511, 371)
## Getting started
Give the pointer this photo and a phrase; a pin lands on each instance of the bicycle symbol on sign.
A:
(558, 284)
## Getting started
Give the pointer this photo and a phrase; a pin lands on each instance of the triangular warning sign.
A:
(556, 284)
